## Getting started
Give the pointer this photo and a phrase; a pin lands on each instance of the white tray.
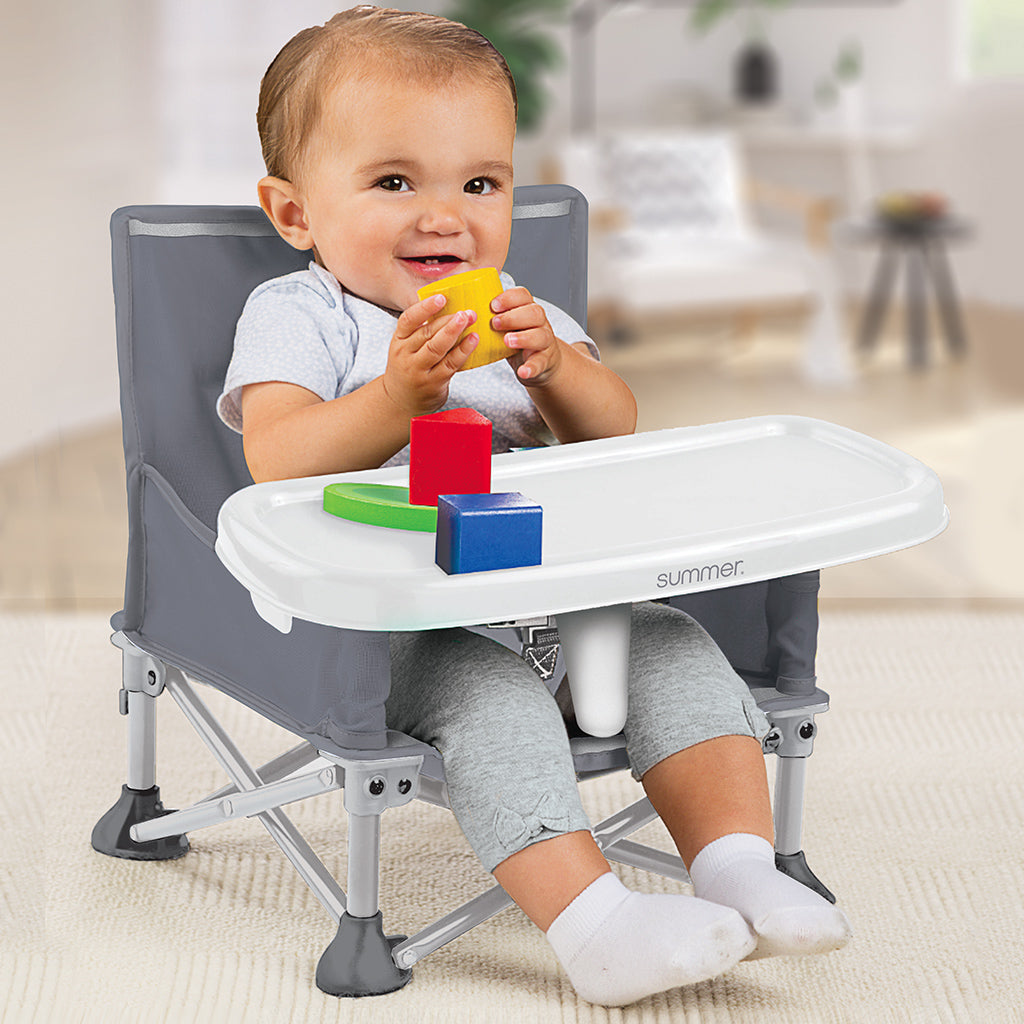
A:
(625, 519)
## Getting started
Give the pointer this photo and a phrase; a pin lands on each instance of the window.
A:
(994, 38)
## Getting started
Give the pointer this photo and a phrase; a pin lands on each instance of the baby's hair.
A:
(356, 42)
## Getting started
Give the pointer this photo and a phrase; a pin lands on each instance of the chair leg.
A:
(142, 683)
(359, 961)
(792, 739)
(789, 798)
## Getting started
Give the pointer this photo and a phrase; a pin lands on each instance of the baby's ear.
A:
(285, 207)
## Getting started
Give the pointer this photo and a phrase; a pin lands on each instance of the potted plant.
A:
(837, 94)
(516, 28)
(756, 71)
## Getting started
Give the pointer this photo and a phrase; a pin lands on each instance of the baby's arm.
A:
(288, 431)
(579, 398)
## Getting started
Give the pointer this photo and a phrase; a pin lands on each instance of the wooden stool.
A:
(921, 244)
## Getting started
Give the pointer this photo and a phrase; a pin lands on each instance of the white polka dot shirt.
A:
(305, 329)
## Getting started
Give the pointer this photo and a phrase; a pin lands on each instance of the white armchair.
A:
(672, 232)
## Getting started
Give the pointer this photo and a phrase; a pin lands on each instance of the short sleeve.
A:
(292, 330)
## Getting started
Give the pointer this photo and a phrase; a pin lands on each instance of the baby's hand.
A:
(525, 324)
(425, 354)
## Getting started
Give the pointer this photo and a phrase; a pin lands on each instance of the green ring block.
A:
(379, 505)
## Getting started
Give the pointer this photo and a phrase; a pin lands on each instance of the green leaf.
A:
(849, 62)
(515, 29)
(825, 93)
(707, 13)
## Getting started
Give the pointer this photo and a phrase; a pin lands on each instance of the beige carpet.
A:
(915, 818)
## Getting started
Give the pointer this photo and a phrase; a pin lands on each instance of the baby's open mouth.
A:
(431, 261)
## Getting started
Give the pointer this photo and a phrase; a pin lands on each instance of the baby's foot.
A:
(618, 946)
(788, 918)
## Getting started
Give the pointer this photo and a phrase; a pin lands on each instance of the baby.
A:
(388, 142)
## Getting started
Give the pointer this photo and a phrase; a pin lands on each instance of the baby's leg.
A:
(709, 789)
(513, 789)
(506, 754)
(694, 738)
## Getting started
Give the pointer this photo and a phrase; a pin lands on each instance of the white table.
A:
(625, 519)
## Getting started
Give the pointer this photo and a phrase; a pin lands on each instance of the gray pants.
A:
(503, 739)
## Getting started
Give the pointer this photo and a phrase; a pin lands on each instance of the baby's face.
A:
(408, 184)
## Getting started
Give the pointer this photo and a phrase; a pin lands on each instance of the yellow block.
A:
(474, 289)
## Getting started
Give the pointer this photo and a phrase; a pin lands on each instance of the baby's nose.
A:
(441, 217)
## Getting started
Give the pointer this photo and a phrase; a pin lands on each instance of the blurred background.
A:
(797, 208)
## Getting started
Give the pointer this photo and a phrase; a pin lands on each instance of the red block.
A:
(449, 453)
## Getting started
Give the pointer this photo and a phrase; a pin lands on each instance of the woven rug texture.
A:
(914, 817)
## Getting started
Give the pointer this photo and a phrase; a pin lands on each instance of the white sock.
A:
(618, 946)
(738, 871)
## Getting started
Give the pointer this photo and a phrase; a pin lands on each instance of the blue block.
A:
(478, 532)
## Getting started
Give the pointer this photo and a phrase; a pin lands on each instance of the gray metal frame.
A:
(374, 782)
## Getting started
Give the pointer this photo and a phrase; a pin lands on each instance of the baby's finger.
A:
(534, 340)
(446, 338)
(521, 318)
(511, 299)
(532, 367)
(419, 314)
(431, 340)
(459, 354)
(536, 364)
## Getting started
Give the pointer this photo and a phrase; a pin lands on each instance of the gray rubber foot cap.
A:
(358, 962)
(795, 865)
(110, 834)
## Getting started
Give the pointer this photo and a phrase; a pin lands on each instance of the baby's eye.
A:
(479, 186)
(393, 183)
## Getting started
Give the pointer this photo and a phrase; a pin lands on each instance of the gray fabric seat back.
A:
(190, 270)
(181, 277)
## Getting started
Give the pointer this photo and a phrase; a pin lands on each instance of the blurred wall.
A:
(975, 151)
(79, 140)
